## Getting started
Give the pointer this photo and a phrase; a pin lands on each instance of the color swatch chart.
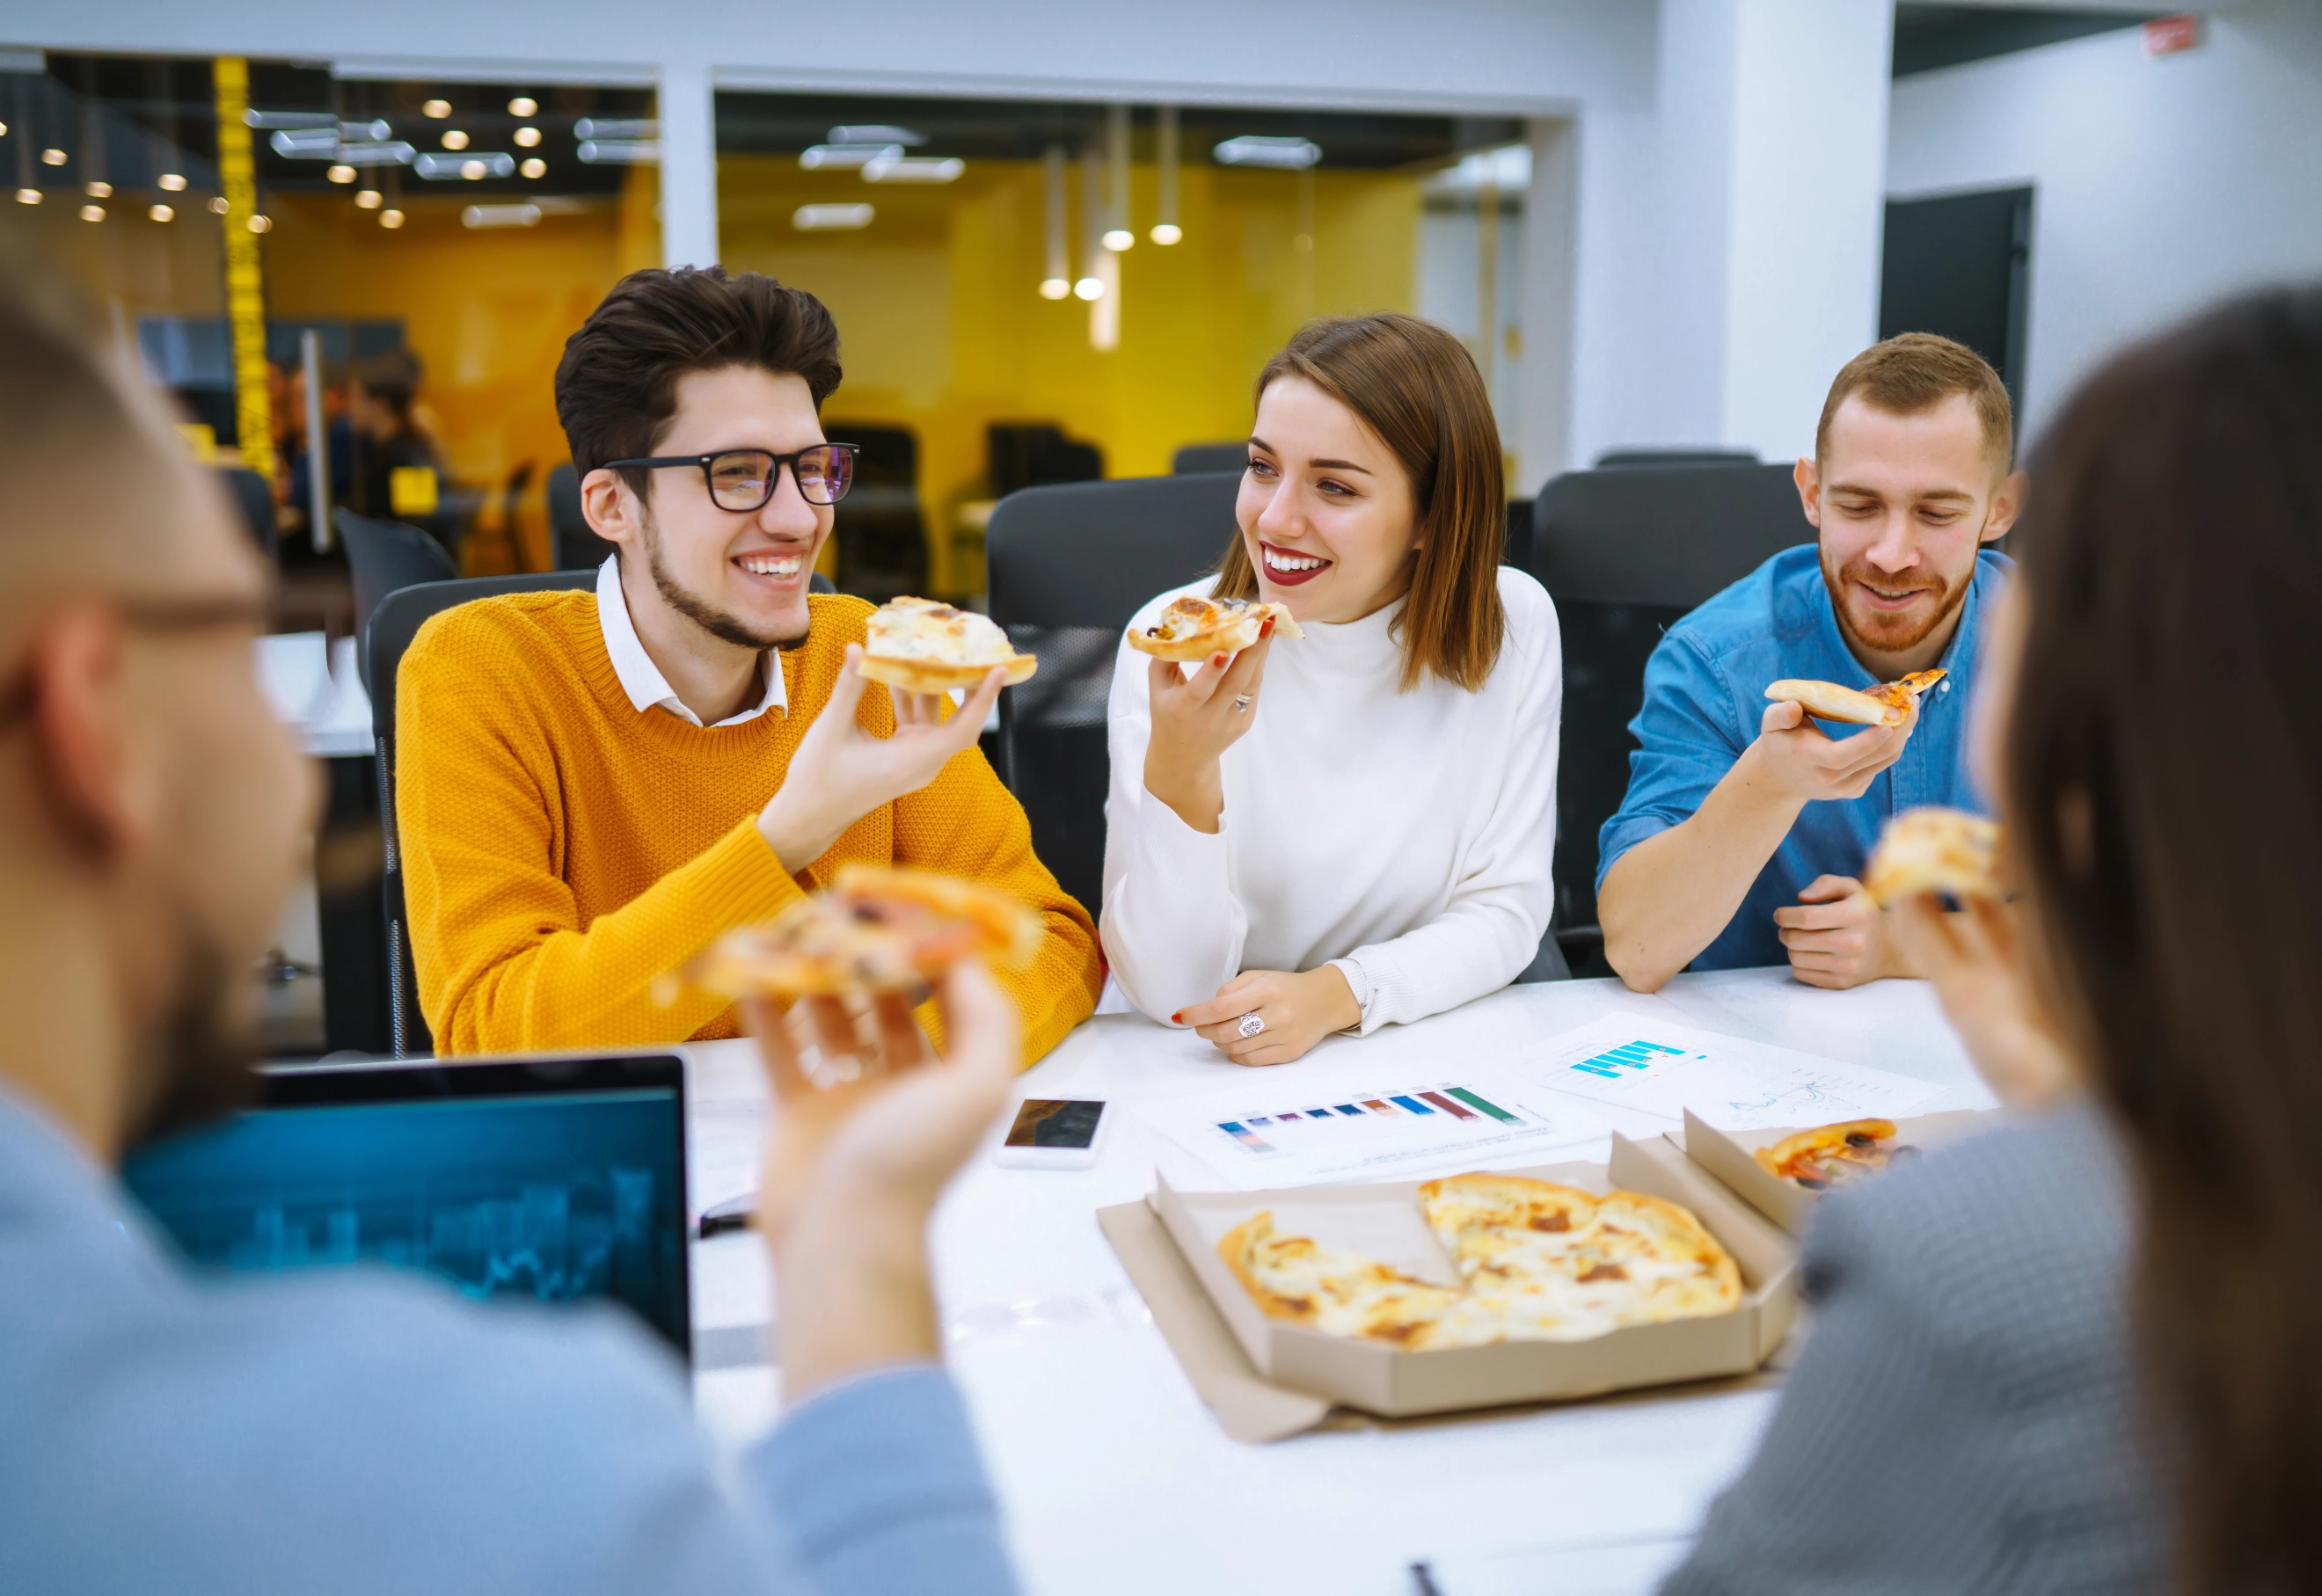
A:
(1268, 1137)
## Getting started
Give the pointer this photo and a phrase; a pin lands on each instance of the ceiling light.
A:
(98, 189)
(1055, 288)
(535, 168)
(913, 168)
(453, 139)
(4, 130)
(292, 119)
(161, 213)
(175, 182)
(369, 199)
(616, 127)
(1090, 288)
(262, 224)
(876, 133)
(523, 105)
(620, 151)
(92, 213)
(831, 218)
(815, 157)
(516, 216)
(473, 170)
(526, 137)
(341, 174)
(1166, 233)
(437, 108)
(217, 204)
(1118, 239)
(52, 157)
(1289, 155)
(381, 152)
(390, 218)
(492, 163)
(28, 196)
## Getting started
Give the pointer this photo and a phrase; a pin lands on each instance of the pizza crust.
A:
(1193, 629)
(1889, 704)
(1934, 850)
(919, 676)
(925, 647)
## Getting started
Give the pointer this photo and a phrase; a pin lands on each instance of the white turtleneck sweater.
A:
(1404, 837)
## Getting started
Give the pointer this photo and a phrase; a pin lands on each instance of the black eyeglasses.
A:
(743, 479)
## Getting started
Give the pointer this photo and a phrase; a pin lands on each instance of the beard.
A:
(1885, 632)
(196, 1064)
(728, 628)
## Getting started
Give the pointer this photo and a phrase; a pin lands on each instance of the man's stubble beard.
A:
(197, 1064)
(1949, 597)
(703, 614)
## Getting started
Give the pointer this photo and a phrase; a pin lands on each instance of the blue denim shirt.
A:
(1705, 695)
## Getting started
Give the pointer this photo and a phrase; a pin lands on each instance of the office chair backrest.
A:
(1626, 552)
(382, 558)
(1195, 459)
(256, 501)
(1613, 460)
(396, 621)
(573, 544)
(1069, 566)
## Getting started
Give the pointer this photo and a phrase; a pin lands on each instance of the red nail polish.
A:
(1267, 630)
(1177, 1018)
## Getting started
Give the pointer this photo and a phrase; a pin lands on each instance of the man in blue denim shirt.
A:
(1746, 824)
(359, 1431)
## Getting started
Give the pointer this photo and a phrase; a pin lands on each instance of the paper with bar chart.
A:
(1282, 1130)
(1644, 1073)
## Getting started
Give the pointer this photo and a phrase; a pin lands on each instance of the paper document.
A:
(1640, 1067)
(1282, 1129)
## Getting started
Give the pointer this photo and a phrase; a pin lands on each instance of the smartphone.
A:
(1053, 1132)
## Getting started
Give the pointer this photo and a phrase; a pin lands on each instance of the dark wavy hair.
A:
(2163, 789)
(617, 385)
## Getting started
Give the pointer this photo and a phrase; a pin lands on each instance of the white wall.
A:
(2159, 184)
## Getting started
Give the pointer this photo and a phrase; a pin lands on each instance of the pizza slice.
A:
(1831, 1155)
(925, 647)
(1889, 704)
(1335, 1291)
(1193, 629)
(880, 928)
(1934, 850)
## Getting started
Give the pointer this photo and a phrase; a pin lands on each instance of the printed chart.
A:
(1646, 1073)
(1267, 1134)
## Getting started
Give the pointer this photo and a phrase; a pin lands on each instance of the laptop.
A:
(559, 1179)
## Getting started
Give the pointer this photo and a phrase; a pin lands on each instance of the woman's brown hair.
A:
(1413, 384)
(2163, 787)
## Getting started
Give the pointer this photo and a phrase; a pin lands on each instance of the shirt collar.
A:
(640, 679)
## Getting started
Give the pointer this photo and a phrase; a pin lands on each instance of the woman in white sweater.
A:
(1353, 828)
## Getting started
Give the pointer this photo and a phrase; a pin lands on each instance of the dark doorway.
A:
(1961, 266)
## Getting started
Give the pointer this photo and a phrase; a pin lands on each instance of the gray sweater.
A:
(1965, 1416)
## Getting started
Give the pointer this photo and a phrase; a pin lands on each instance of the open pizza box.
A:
(1729, 1155)
(1384, 1221)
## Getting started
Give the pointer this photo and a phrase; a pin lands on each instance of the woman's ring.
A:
(1251, 1024)
(1242, 701)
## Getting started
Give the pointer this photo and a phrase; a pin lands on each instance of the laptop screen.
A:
(553, 1179)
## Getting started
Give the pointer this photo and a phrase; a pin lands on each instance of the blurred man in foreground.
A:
(361, 1432)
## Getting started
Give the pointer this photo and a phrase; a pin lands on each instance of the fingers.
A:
(901, 1044)
(1234, 1000)
(982, 1026)
(1827, 890)
(1782, 716)
(832, 1027)
(977, 710)
(768, 1021)
(1247, 669)
(847, 692)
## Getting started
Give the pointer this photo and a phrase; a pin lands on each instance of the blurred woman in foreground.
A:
(2082, 1351)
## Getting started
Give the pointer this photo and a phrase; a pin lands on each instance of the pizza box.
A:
(1384, 1221)
(1728, 1155)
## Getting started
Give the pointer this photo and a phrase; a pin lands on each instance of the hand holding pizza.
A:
(1292, 1012)
(1195, 719)
(1794, 758)
(1975, 958)
(841, 772)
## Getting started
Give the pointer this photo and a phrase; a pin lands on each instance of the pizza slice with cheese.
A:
(925, 647)
(1337, 1291)
(1831, 1155)
(1889, 704)
(1934, 850)
(1193, 629)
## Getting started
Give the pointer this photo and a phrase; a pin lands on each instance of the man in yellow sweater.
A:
(591, 788)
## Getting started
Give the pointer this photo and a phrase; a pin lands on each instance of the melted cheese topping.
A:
(936, 633)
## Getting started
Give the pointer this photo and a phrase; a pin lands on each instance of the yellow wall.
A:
(487, 311)
(943, 328)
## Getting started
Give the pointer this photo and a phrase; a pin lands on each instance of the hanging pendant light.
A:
(1057, 283)
(1116, 234)
(1166, 230)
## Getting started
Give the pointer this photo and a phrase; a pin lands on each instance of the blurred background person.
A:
(382, 392)
(2076, 1352)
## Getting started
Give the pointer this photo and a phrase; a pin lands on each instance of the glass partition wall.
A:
(1033, 292)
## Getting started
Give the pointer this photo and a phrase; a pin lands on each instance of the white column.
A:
(1545, 310)
(1726, 251)
(688, 165)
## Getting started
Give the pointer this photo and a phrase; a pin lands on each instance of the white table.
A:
(1115, 1477)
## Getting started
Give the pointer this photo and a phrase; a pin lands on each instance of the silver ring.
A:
(1251, 1024)
(1242, 701)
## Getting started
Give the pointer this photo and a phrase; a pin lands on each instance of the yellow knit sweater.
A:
(561, 849)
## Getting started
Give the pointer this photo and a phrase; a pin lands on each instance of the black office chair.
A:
(382, 558)
(1626, 552)
(572, 543)
(1195, 459)
(393, 625)
(1614, 459)
(256, 502)
(879, 527)
(1069, 566)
